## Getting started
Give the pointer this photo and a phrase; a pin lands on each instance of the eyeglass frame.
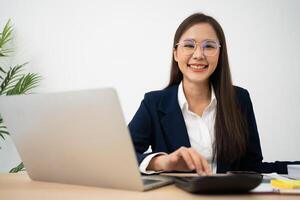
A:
(199, 44)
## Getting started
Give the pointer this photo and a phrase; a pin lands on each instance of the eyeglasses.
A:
(208, 47)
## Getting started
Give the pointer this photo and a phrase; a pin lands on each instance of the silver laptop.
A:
(76, 137)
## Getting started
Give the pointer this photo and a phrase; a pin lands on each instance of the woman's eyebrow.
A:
(189, 39)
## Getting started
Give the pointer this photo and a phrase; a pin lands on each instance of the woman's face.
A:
(197, 53)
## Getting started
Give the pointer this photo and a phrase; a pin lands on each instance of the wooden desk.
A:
(20, 187)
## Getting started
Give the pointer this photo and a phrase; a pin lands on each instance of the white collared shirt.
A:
(200, 129)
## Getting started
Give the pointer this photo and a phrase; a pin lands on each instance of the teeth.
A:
(197, 67)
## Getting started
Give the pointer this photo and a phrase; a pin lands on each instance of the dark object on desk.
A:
(232, 182)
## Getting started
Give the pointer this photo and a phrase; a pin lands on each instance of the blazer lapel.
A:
(172, 120)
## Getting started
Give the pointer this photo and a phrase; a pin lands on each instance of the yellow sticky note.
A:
(286, 184)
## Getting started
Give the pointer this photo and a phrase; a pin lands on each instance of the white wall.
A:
(127, 44)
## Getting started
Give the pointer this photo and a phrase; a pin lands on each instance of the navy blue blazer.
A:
(159, 123)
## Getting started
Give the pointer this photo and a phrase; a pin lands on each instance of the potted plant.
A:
(13, 80)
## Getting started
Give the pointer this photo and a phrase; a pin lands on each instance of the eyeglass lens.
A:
(209, 48)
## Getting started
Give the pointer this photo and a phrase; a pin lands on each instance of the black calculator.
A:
(231, 182)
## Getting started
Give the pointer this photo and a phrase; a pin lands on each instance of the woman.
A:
(200, 121)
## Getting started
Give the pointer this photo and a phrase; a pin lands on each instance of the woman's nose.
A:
(198, 53)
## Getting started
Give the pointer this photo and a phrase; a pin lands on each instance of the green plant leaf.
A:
(5, 52)
(3, 133)
(5, 37)
(12, 76)
(25, 83)
(6, 34)
(3, 129)
(2, 70)
(18, 168)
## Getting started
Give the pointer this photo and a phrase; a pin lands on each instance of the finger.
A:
(174, 157)
(187, 158)
(197, 161)
(177, 162)
(205, 166)
(209, 172)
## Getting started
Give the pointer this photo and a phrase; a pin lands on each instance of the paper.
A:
(275, 176)
(294, 171)
(266, 187)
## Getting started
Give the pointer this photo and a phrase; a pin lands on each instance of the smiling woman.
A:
(193, 58)
(200, 121)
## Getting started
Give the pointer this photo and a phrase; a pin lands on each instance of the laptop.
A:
(75, 137)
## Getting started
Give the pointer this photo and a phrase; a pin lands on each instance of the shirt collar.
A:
(183, 102)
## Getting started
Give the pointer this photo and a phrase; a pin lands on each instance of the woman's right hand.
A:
(183, 159)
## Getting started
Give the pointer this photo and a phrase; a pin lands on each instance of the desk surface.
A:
(19, 186)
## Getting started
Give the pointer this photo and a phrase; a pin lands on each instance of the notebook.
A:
(75, 137)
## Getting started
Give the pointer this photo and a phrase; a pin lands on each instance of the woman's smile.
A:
(197, 67)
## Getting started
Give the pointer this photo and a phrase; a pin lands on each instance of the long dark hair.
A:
(230, 125)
